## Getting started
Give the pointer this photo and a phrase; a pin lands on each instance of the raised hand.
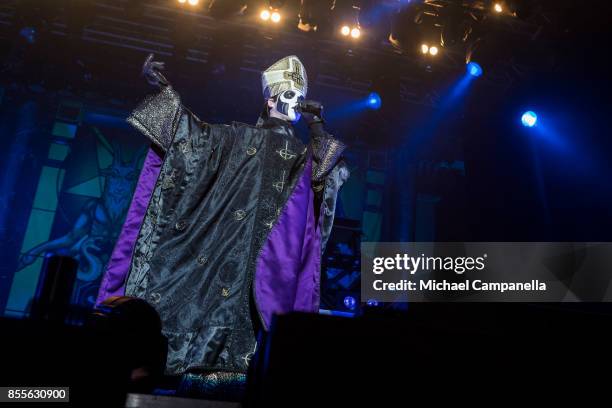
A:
(151, 71)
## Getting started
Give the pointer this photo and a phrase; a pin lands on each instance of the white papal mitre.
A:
(285, 74)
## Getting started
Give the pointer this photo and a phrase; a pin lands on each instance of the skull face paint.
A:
(287, 102)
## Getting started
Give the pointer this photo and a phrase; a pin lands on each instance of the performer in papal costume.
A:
(228, 222)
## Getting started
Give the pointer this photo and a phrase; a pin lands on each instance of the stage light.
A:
(474, 69)
(193, 2)
(350, 302)
(374, 101)
(29, 33)
(372, 302)
(275, 17)
(529, 119)
(498, 8)
(355, 32)
(431, 50)
(182, 1)
(264, 15)
(345, 30)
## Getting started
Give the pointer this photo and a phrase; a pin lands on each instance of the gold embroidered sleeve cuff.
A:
(326, 150)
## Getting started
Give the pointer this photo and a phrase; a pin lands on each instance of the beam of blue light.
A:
(455, 94)
(372, 101)
(348, 109)
(529, 119)
(474, 69)
(450, 102)
(546, 132)
(446, 108)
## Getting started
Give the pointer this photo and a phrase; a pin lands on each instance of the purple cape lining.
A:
(288, 267)
(118, 266)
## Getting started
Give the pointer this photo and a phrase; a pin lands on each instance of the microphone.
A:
(309, 106)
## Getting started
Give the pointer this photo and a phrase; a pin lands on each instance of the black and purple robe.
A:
(226, 228)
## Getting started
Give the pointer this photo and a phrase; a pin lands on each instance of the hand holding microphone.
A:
(312, 111)
(310, 106)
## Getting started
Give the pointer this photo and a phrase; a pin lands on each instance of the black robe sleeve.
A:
(329, 173)
(157, 116)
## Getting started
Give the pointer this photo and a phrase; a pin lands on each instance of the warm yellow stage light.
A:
(424, 48)
(264, 15)
(193, 2)
(345, 30)
(275, 17)
(433, 50)
(498, 8)
(355, 32)
(182, 1)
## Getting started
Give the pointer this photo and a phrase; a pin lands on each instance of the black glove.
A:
(312, 111)
(151, 71)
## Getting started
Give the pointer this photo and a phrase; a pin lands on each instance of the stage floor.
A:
(161, 401)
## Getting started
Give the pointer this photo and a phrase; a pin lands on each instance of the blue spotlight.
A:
(374, 100)
(350, 302)
(474, 69)
(29, 33)
(529, 119)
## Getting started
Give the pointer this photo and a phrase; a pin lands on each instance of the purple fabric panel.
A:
(307, 294)
(113, 282)
(287, 269)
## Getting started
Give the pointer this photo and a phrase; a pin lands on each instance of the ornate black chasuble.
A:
(219, 192)
(218, 195)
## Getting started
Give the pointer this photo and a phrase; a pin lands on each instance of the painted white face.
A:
(286, 104)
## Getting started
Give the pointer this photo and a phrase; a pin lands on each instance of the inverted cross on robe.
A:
(285, 153)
